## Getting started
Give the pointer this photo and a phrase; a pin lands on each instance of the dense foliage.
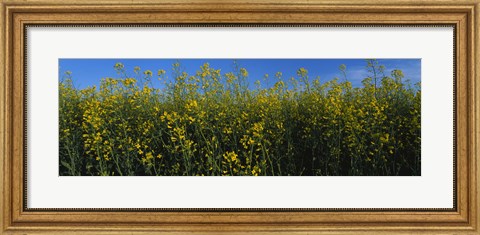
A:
(211, 123)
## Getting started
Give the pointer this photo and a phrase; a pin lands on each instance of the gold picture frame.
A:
(464, 15)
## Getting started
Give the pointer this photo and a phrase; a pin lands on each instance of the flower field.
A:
(215, 124)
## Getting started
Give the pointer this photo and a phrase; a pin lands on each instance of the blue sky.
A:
(88, 72)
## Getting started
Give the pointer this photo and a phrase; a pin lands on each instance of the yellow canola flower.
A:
(148, 73)
(149, 155)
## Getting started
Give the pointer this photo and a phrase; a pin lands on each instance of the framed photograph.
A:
(239, 117)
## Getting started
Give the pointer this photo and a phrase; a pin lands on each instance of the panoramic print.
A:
(239, 117)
